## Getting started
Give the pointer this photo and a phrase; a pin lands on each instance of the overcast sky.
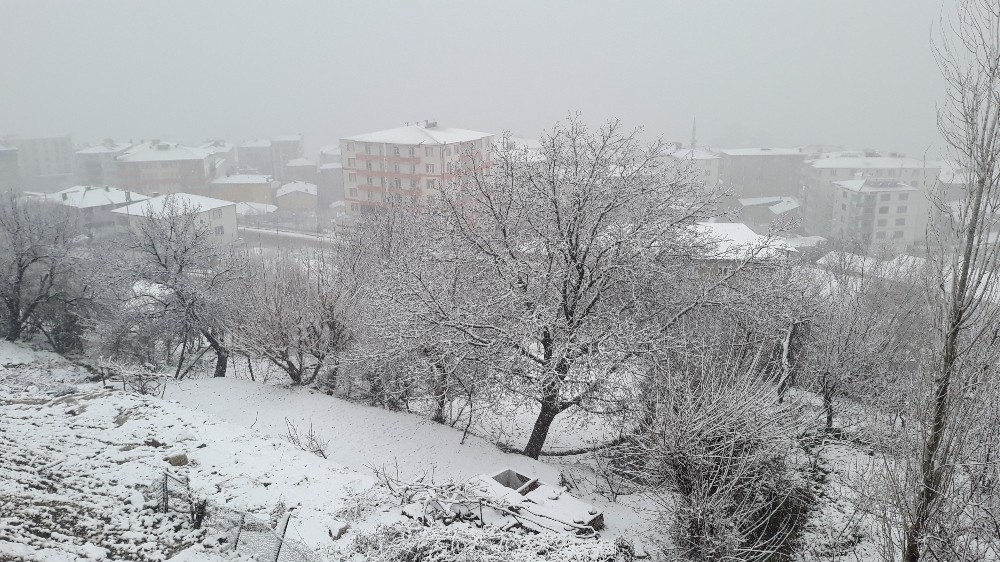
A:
(753, 72)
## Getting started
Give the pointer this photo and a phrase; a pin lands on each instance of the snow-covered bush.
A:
(458, 543)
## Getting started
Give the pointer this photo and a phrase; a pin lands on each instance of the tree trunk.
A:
(440, 394)
(539, 433)
(221, 355)
(828, 391)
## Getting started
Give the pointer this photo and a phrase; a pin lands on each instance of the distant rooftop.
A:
(693, 154)
(429, 133)
(868, 185)
(294, 186)
(736, 240)
(305, 162)
(217, 146)
(157, 204)
(108, 146)
(878, 162)
(776, 204)
(163, 151)
(332, 150)
(762, 151)
(243, 179)
(86, 196)
(287, 138)
(256, 143)
(250, 208)
(331, 166)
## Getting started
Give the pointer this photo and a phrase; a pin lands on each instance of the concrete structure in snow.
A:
(405, 163)
(165, 167)
(706, 164)
(45, 163)
(97, 165)
(297, 196)
(95, 203)
(244, 188)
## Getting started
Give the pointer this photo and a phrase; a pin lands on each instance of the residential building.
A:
(255, 157)
(297, 196)
(284, 150)
(216, 215)
(405, 163)
(329, 154)
(97, 165)
(762, 172)
(243, 188)
(95, 203)
(877, 188)
(45, 163)
(301, 169)
(331, 183)
(10, 176)
(165, 167)
(733, 244)
(705, 164)
(880, 211)
(763, 213)
(225, 156)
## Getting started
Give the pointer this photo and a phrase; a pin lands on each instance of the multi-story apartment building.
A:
(855, 198)
(97, 165)
(405, 163)
(762, 172)
(706, 164)
(225, 156)
(878, 211)
(10, 176)
(165, 167)
(255, 157)
(46, 162)
(284, 150)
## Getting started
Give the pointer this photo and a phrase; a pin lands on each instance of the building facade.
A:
(165, 167)
(406, 163)
(762, 172)
(10, 175)
(705, 164)
(243, 188)
(97, 165)
(45, 163)
(216, 216)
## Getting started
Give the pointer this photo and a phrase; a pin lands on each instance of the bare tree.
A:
(294, 317)
(171, 281)
(966, 266)
(37, 261)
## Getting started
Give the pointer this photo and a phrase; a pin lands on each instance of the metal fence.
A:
(247, 534)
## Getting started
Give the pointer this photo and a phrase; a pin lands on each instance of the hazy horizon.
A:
(767, 73)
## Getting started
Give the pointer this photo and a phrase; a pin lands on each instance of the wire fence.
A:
(247, 534)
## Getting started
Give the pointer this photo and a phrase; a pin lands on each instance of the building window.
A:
(371, 196)
(897, 235)
(904, 196)
(901, 209)
(880, 234)
(368, 164)
(429, 168)
(883, 210)
(352, 177)
(395, 168)
(369, 180)
(900, 222)
(368, 149)
(413, 184)
(216, 213)
(886, 196)
(397, 183)
(843, 206)
(353, 192)
(412, 151)
(395, 151)
(429, 151)
(350, 146)
(352, 162)
(881, 222)
(220, 230)
(413, 168)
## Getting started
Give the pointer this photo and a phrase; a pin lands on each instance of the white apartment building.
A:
(404, 164)
(706, 164)
(216, 215)
(847, 198)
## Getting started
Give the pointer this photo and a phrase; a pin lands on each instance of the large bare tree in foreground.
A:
(965, 293)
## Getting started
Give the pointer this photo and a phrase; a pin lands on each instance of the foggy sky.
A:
(753, 72)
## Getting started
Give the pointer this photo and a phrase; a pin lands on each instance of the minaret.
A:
(694, 133)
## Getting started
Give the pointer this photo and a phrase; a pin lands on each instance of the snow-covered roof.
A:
(250, 208)
(693, 154)
(214, 147)
(762, 151)
(303, 162)
(951, 173)
(332, 150)
(256, 143)
(163, 151)
(304, 187)
(331, 166)
(108, 146)
(776, 204)
(419, 134)
(877, 162)
(86, 196)
(287, 138)
(868, 185)
(156, 205)
(243, 179)
(736, 240)
(803, 241)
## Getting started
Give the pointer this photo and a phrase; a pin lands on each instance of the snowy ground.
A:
(78, 456)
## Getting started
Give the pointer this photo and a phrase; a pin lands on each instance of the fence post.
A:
(281, 537)
(236, 543)
(165, 494)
